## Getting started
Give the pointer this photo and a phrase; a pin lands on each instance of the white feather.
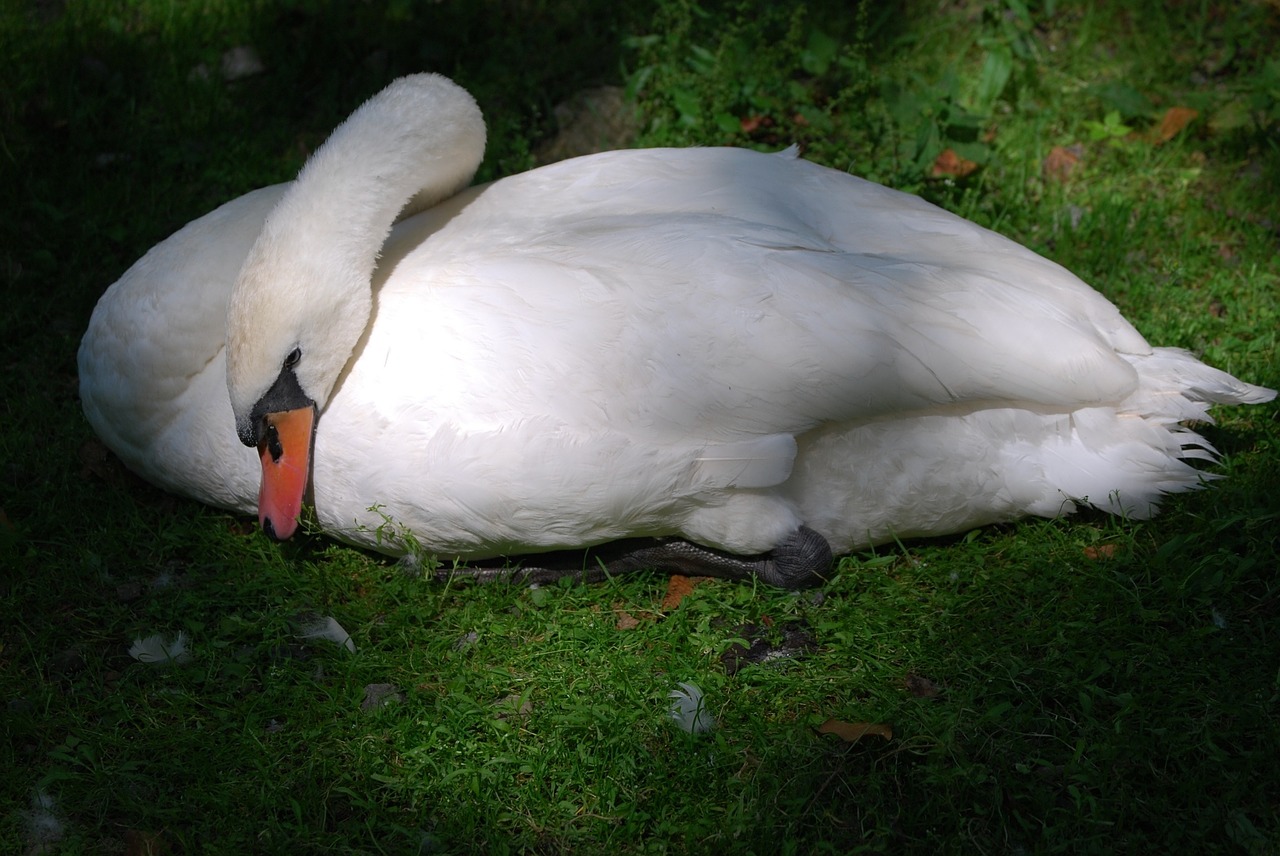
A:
(160, 650)
(327, 627)
(688, 709)
(45, 828)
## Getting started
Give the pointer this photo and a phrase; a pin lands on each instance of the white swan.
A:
(734, 348)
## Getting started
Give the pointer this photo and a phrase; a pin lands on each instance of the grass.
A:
(1089, 685)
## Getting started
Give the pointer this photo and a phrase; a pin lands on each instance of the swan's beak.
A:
(285, 450)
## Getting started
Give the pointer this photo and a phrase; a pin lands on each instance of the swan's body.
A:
(714, 344)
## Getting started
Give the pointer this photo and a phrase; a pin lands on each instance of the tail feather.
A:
(933, 474)
(1126, 459)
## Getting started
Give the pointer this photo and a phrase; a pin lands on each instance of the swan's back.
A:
(759, 290)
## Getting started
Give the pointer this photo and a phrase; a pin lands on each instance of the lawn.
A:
(1080, 685)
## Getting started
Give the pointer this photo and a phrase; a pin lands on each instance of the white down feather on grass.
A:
(158, 650)
(689, 710)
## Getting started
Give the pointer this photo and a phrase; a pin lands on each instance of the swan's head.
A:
(302, 299)
(293, 321)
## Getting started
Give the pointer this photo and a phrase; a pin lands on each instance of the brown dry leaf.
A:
(751, 124)
(1100, 552)
(1172, 123)
(1060, 161)
(950, 163)
(678, 588)
(852, 732)
(626, 621)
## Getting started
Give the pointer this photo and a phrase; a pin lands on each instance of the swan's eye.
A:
(292, 360)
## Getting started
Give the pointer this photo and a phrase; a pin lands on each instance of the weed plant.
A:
(1082, 685)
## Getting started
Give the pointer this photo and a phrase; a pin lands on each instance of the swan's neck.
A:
(306, 283)
(421, 139)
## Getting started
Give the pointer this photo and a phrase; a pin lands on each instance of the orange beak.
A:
(286, 457)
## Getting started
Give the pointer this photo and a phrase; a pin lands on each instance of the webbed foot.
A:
(802, 559)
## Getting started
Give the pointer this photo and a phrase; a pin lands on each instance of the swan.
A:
(716, 359)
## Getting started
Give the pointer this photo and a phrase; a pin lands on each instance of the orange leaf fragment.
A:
(677, 588)
(1100, 552)
(852, 732)
(950, 163)
(1060, 161)
(1172, 123)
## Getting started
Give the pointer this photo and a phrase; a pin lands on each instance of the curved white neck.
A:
(306, 282)
(420, 139)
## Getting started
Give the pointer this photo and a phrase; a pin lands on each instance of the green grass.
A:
(1121, 704)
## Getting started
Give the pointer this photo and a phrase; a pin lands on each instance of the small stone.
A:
(241, 62)
(380, 695)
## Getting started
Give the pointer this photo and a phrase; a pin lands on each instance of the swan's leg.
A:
(800, 560)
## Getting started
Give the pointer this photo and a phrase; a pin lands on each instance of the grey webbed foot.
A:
(803, 559)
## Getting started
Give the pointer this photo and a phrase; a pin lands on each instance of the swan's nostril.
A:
(271, 440)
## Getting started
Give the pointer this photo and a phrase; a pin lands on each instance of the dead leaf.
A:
(1175, 119)
(1100, 552)
(751, 124)
(678, 588)
(920, 687)
(852, 732)
(1060, 161)
(1217, 309)
(626, 621)
(950, 163)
